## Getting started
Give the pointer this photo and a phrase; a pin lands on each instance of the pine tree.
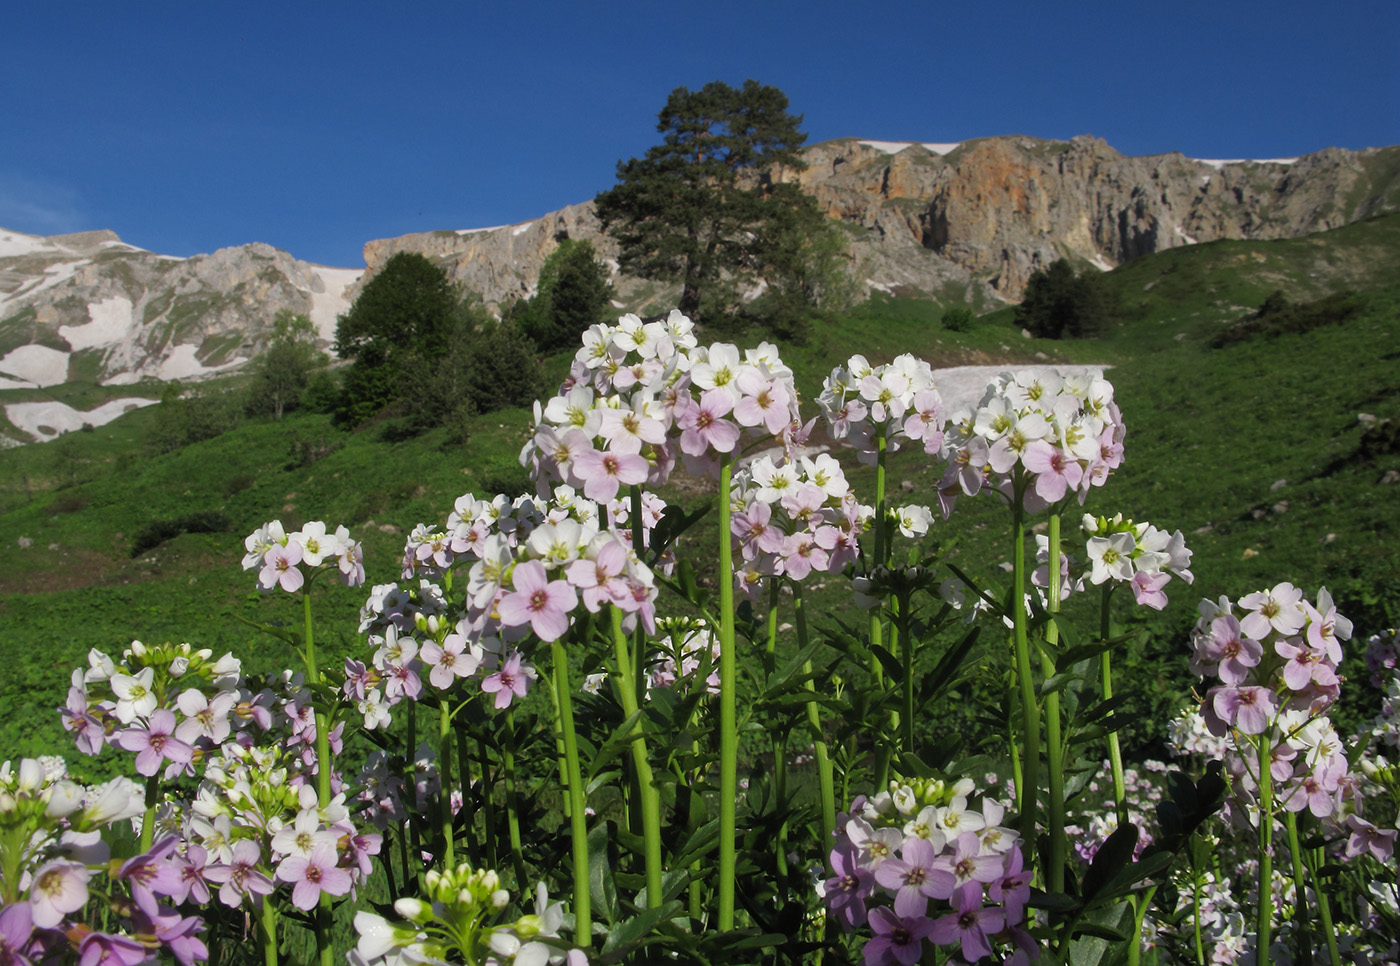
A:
(702, 207)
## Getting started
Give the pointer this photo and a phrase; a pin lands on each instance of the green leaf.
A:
(616, 744)
(635, 927)
(601, 889)
(1115, 853)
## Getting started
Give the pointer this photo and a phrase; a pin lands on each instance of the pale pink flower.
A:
(314, 874)
(280, 568)
(510, 682)
(58, 888)
(538, 601)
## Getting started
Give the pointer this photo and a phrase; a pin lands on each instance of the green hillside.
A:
(1256, 449)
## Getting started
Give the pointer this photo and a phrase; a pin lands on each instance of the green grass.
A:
(1217, 440)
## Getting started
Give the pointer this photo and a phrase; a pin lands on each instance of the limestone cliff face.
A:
(974, 220)
(966, 221)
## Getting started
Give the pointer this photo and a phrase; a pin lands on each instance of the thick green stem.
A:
(464, 771)
(573, 782)
(728, 709)
(268, 923)
(1054, 747)
(877, 628)
(825, 777)
(488, 805)
(1324, 908)
(1028, 788)
(906, 645)
(323, 727)
(517, 852)
(1140, 906)
(1264, 921)
(445, 783)
(148, 820)
(1300, 890)
(1115, 752)
(641, 765)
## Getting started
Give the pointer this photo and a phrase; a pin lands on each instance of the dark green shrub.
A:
(957, 319)
(157, 532)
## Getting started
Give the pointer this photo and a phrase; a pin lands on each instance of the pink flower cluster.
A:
(640, 393)
(1276, 656)
(792, 518)
(917, 863)
(164, 703)
(1136, 554)
(896, 401)
(53, 845)
(280, 555)
(1053, 435)
(530, 565)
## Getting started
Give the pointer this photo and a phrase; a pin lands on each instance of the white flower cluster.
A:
(1037, 433)
(1120, 550)
(280, 555)
(896, 401)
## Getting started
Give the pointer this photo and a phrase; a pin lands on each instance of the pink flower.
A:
(538, 601)
(1248, 708)
(58, 889)
(970, 925)
(510, 682)
(314, 874)
(155, 742)
(896, 939)
(280, 568)
(449, 660)
(1147, 588)
(604, 473)
(703, 426)
(1056, 473)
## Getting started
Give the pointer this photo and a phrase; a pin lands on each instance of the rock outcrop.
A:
(89, 307)
(962, 222)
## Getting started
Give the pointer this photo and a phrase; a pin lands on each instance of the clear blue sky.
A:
(317, 126)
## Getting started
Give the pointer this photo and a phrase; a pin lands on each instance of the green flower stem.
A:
(641, 765)
(1264, 921)
(1140, 906)
(1324, 908)
(575, 802)
(1054, 748)
(877, 629)
(1028, 786)
(517, 852)
(1196, 907)
(906, 644)
(488, 805)
(779, 735)
(1300, 890)
(1115, 752)
(825, 778)
(268, 924)
(148, 820)
(410, 781)
(445, 782)
(323, 728)
(728, 708)
(469, 818)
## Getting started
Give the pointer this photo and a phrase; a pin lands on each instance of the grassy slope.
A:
(1210, 433)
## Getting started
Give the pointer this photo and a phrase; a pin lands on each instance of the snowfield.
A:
(46, 420)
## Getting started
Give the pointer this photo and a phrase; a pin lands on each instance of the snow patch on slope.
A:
(37, 364)
(46, 420)
(894, 147)
(328, 305)
(111, 323)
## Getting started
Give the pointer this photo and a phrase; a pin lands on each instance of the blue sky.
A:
(317, 126)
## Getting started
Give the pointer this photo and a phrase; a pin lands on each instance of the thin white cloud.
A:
(38, 207)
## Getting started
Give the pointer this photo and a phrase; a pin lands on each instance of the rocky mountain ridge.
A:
(966, 222)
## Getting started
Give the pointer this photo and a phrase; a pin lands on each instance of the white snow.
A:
(521, 229)
(1101, 263)
(894, 147)
(473, 231)
(13, 243)
(963, 386)
(328, 305)
(57, 418)
(183, 364)
(111, 323)
(1177, 231)
(37, 364)
(1217, 164)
